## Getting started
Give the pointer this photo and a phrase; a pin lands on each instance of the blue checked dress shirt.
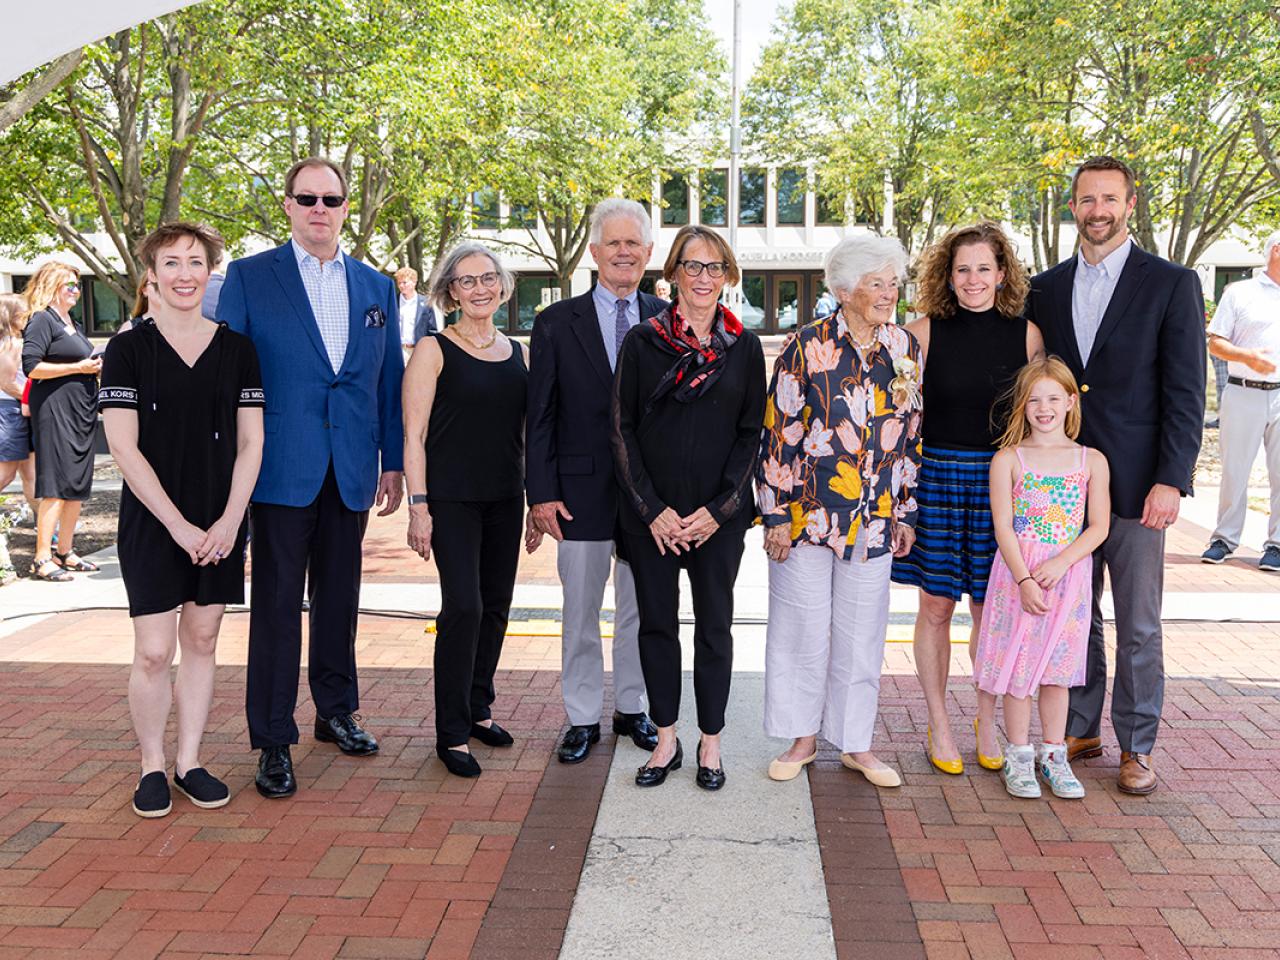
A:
(326, 285)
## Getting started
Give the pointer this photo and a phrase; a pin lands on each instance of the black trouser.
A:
(712, 569)
(318, 546)
(476, 545)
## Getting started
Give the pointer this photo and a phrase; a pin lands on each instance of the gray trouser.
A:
(1248, 417)
(1134, 557)
(584, 569)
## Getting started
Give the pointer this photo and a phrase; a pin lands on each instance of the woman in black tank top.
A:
(974, 341)
(464, 408)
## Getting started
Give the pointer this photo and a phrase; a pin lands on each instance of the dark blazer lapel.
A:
(1131, 277)
(586, 327)
(286, 270)
(1063, 291)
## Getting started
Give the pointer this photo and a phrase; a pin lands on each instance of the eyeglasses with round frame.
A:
(468, 282)
(694, 268)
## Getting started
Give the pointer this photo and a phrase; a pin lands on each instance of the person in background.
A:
(182, 404)
(662, 288)
(417, 318)
(16, 458)
(141, 306)
(1245, 334)
(58, 359)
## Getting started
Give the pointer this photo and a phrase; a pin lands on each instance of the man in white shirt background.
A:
(417, 319)
(1245, 332)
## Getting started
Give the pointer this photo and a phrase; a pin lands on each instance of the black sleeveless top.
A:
(475, 437)
(972, 362)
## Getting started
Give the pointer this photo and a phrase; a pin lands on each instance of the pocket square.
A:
(374, 317)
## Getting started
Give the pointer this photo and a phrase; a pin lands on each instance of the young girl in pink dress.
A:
(1035, 626)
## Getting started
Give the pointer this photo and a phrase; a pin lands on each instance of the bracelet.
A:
(1024, 580)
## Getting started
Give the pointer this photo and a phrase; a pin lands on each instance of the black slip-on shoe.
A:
(202, 788)
(492, 735)
(152, 799)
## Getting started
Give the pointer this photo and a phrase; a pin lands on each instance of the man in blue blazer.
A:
(1131, 328)
(417, 318)
(327, 332)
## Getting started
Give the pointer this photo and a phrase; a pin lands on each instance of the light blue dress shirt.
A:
(607, 313)
(326, 286)
(1091, 294)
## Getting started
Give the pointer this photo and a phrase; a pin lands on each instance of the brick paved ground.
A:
(384, 857)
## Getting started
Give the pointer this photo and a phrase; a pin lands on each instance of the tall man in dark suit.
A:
(1131, 327)
(327, 333)
(570, 480)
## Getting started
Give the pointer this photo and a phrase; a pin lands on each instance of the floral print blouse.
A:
(841, 444)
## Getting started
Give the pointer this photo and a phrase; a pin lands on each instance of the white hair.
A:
(854, 257)
(1272, 241)
(618, 207)
(438, 293)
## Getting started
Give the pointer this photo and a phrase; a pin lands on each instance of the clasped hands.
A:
(670, 531)
(206, 547)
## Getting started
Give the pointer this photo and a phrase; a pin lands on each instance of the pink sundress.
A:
(1018, 651)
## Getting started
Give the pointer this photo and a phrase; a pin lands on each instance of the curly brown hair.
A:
(936, 299)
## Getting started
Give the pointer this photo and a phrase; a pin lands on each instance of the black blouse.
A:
(687, 455)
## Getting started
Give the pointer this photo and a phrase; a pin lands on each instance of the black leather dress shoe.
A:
(343, 730)
(577, 742)
(709, 778)
(653, 776)
(638, 727)
(275, 773)
(458, 762)
(492, 735)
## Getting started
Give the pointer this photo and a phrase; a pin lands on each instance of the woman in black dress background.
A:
(464, 399)
(182, 401)
(57, 358)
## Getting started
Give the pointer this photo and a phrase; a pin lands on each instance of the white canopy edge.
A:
(36, 33)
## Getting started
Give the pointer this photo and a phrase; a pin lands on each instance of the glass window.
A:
(484, 208)
(523, 215)
(751, 197)
(714, 189)
(108, 308)
(830, 209)
(864, 213)
(753, 301)
(788, 299)
(790, 200)
(675, 200)
(532, 294)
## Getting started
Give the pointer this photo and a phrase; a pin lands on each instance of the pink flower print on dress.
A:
(818, 442)
(793, 433)
(821, 356)
(780, 475)
(850, 436)
(875, 534)
(789, 399)
(890, 434)
(856, 401)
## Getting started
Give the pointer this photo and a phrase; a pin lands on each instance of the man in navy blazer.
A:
(1131, 327)
(569, 474)
(327, 332)
(417, 318)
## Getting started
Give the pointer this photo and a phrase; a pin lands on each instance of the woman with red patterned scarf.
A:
(688, 406)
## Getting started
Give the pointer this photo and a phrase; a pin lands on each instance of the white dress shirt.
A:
(408, 319)
(1091, 294)
(326, 285)
(1248, 316)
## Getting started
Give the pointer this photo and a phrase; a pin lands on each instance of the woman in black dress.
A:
(57, 358)
(688, 407)
(182, 400)
(464, 405)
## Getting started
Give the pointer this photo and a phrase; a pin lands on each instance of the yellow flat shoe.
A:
(987, 763)
(789, 769)
(879, 776)
(954, 767)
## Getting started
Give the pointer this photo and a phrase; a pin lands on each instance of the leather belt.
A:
(1255, 384)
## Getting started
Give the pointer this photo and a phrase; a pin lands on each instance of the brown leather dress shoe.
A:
(1136, 775)
(1083, 748)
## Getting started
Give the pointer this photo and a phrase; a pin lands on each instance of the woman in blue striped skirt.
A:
(974, 340)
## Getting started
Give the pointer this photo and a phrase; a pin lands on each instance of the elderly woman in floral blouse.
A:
(838, 467)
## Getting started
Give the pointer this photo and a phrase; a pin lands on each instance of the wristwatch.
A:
(417, 498)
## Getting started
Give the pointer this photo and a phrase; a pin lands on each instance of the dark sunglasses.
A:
(309, 200)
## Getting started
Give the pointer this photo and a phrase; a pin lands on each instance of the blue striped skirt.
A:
(955, 540)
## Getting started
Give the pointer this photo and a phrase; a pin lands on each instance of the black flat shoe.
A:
(202, 788)
(492, 735)
(638, 727)
(577, 742)
(655, 776)
(151, 799)
(709, 778)
(458, 762)
(275, 773)
(343, 730)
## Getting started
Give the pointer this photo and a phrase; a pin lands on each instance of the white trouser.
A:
(1247, 418)
(584, 568)
(824, 646)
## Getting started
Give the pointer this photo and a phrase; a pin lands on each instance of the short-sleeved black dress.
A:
(64, 410)
(187, 432)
